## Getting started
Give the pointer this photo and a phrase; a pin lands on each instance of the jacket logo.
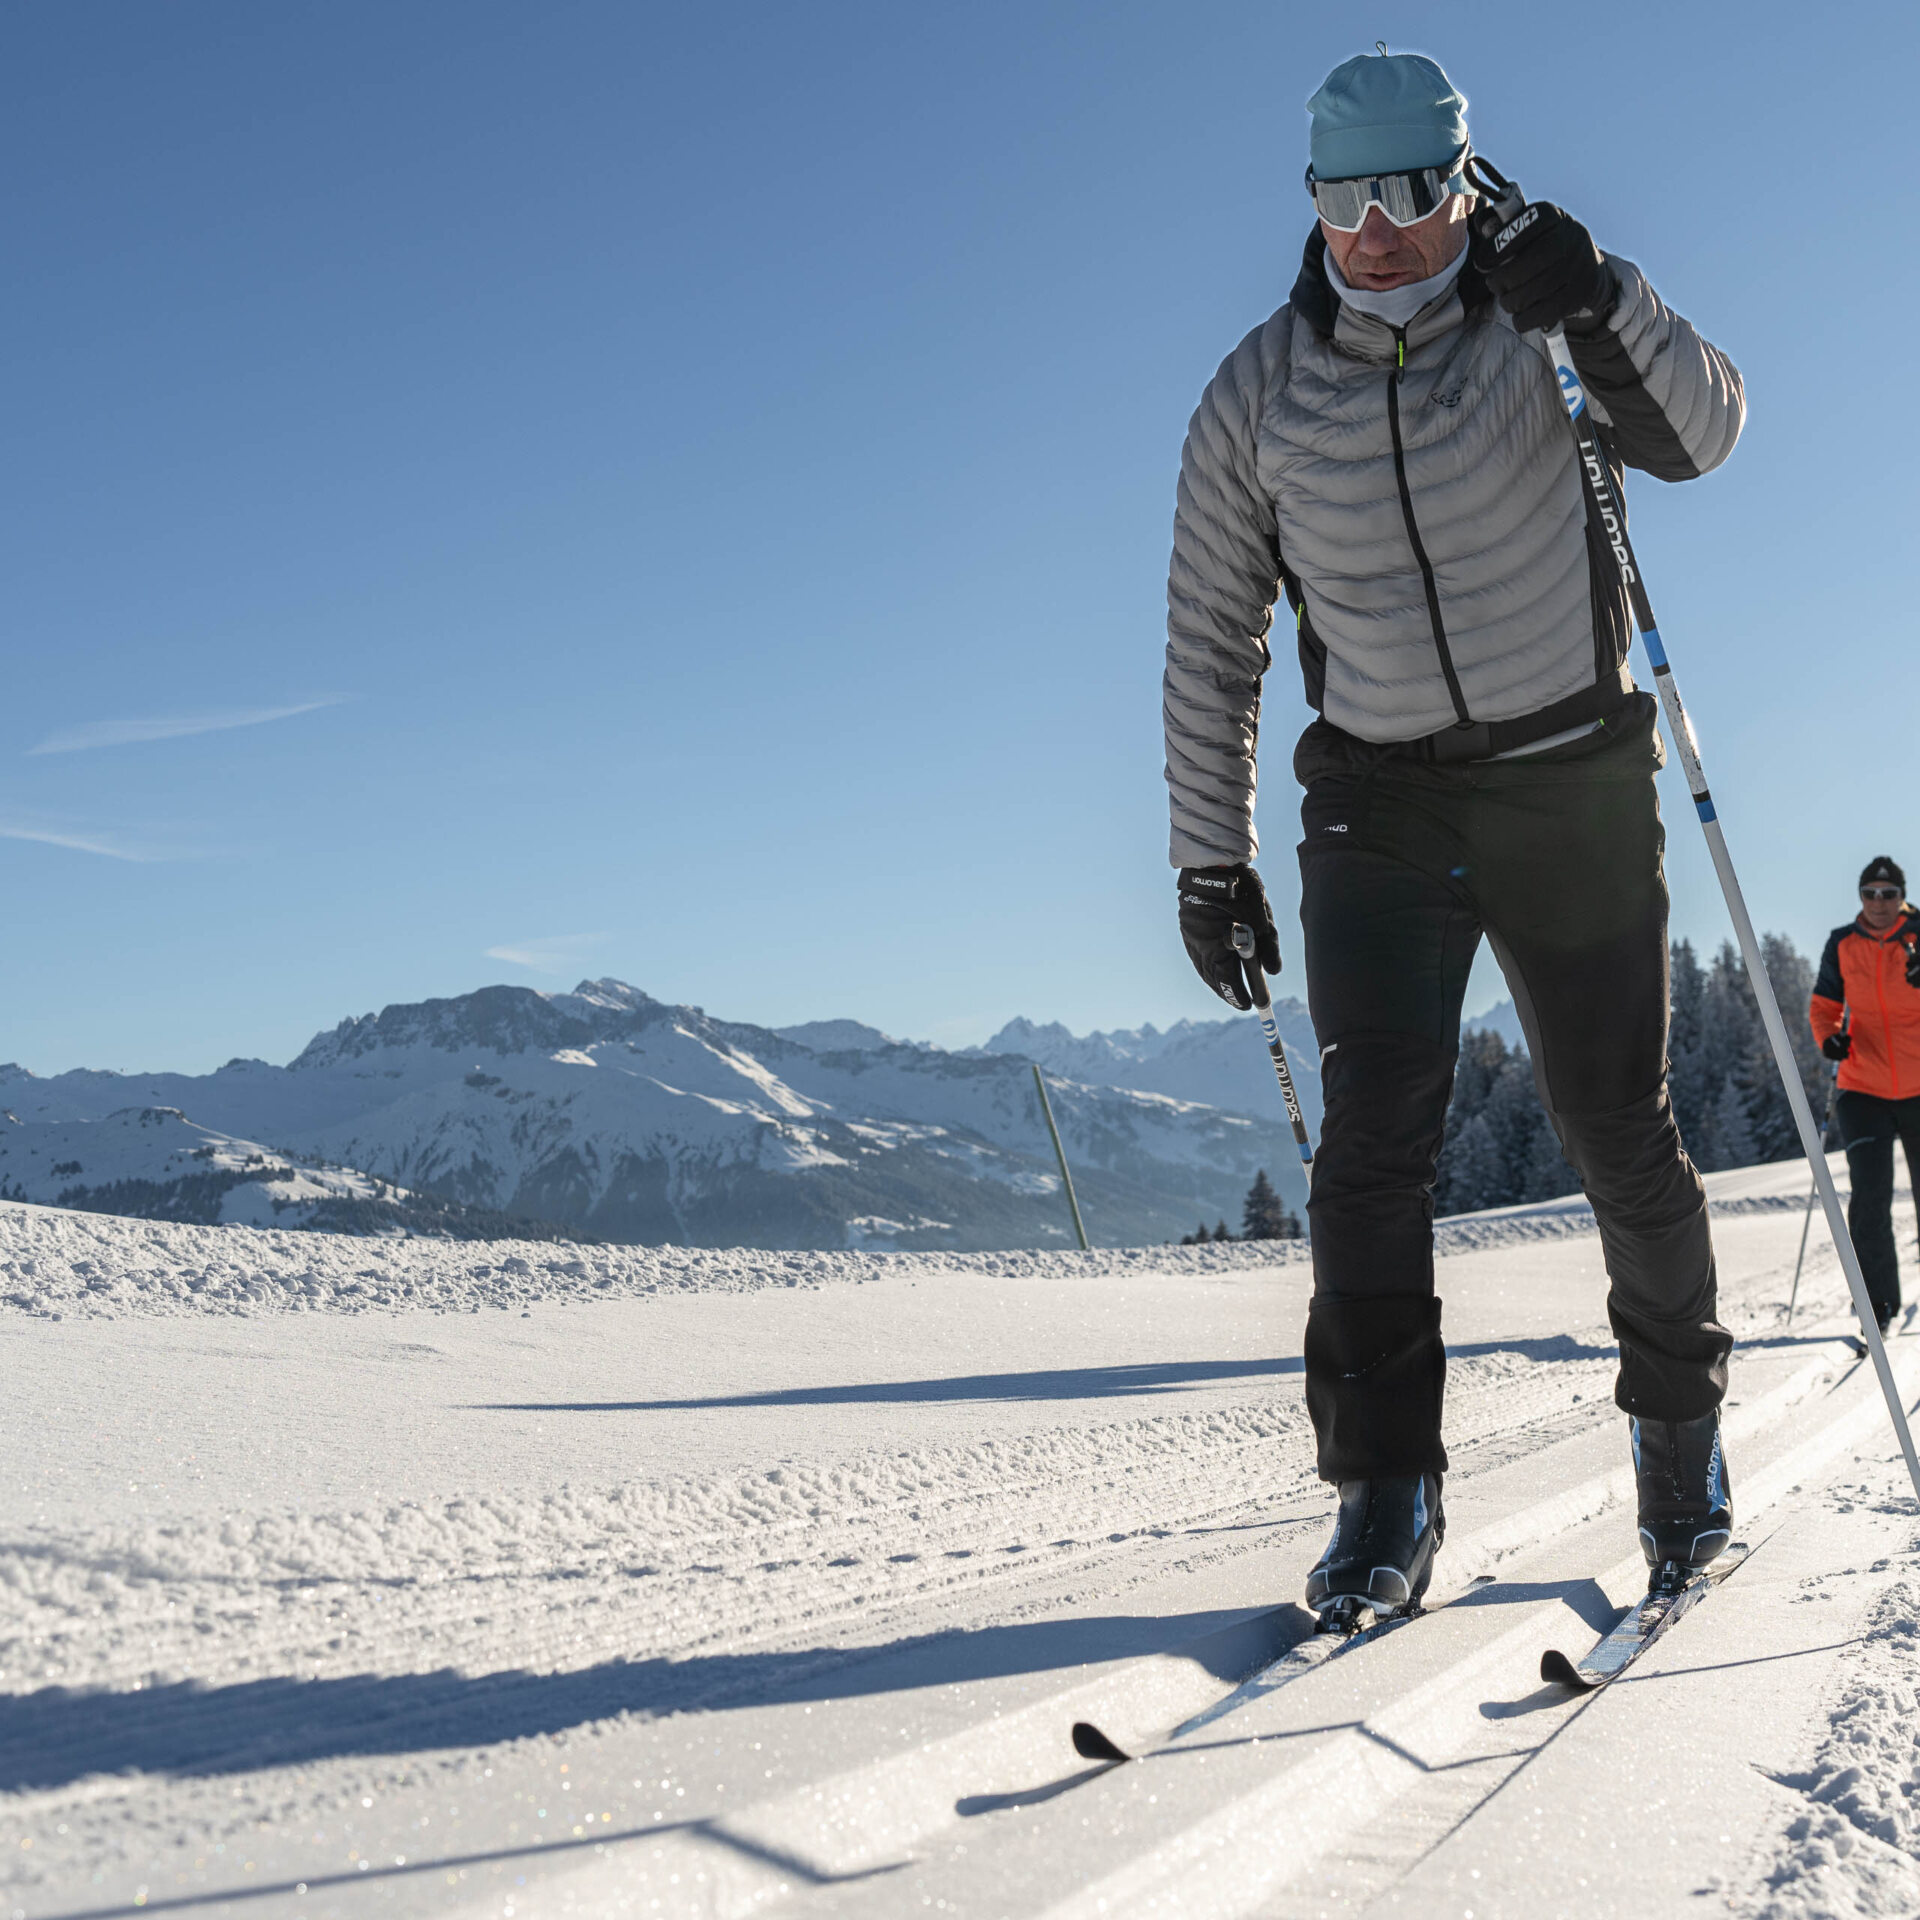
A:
(1449, 399)
(1339, 829)
(1603, 494)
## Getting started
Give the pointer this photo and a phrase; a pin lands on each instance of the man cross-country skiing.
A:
(1868, 976)
(1390, 450)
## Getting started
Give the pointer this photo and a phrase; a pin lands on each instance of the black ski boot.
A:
(1381, 1555)
(1686, 1505)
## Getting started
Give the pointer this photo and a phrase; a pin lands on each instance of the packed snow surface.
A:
(356, 1576)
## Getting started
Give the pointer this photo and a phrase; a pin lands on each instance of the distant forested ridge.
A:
(1500, 1148)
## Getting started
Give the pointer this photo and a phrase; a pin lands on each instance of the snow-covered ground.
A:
(361, 1576)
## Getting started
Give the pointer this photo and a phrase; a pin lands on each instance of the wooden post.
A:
(1060, 1154)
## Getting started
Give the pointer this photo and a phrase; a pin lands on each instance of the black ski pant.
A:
(1868, 1128)
(1557, 858)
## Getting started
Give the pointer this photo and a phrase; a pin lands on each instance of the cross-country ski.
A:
(1642, 1626)
(1303, 1657)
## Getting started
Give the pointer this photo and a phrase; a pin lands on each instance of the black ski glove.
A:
(1213, 901)
(1913, 963)
(1837, 1045)
(1544, 268)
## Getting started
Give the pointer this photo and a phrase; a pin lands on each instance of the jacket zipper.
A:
(1413, 531)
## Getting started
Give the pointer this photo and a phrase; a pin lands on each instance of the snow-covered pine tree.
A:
(1476, 1170)
(1727, 1140)
(1546, 1175)
(1686, 1064)
(1500, 1147)
(1775, 1137)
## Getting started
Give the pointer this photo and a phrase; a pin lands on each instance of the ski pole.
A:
(1508, 203)
(1244, 945)
(1813, 1188)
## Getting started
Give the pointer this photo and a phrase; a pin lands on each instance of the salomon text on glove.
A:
(1837, 1045)
(1213, 901)
(1543, 267)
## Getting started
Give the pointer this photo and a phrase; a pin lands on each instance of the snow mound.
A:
(59, 1264)
(1855, 1850)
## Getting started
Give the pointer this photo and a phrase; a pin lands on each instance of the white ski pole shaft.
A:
(1806, 1219)
(1245, 946)
(1508, 204)
(1799, 1259)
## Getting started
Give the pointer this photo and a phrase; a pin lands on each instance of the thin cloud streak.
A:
(127, 733)
(559, 955)
(76, 843)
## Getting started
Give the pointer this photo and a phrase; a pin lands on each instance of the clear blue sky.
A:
(706, 474)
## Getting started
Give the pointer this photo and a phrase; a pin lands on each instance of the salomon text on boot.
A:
(1380, 1558)
(1686, 1504)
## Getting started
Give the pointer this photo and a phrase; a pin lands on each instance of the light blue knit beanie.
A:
(1385, 113)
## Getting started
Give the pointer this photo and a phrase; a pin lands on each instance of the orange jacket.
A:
(1864, 975)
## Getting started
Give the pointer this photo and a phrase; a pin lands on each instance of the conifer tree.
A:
(1500, 1148)
(1263, 1217)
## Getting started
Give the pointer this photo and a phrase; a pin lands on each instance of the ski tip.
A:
(1558, 1671)
(1091, 1744)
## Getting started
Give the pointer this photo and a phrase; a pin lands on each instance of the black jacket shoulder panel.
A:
(1312, 297)
(1827, 982)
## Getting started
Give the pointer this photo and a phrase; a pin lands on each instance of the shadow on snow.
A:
(58, 1735)
(1047, 1383)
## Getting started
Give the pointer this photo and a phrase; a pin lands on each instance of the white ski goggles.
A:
(1405, 198)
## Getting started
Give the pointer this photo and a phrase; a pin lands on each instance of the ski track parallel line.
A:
(1215, 1867)
(873, 1815)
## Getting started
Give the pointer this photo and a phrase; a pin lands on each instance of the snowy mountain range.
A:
(1219, 1062)
(156, 1164)
(606, 1112)
(1502, 1018)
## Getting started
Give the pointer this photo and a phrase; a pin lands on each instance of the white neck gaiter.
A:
(1397, 305)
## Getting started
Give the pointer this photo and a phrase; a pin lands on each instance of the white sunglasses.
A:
(1405, 198)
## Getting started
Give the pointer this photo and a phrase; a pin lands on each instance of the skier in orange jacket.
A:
(1870, 980)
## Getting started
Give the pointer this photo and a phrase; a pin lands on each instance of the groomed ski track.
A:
(822, 1651)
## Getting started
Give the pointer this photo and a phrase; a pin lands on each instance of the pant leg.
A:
(1868, 1127)
(1908, 1121)
(1574, 896)
(1389, 944)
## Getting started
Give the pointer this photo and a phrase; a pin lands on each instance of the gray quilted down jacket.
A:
(1426, 522)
